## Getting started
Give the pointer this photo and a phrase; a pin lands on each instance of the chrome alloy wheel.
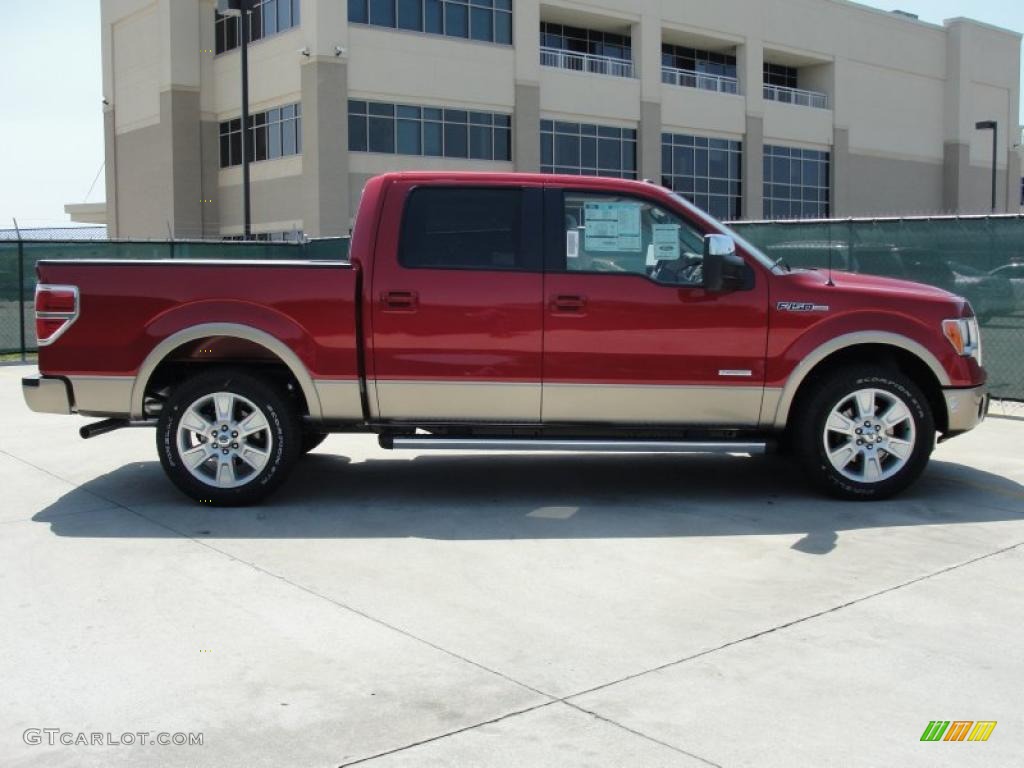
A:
(224, 440)
(869, 435)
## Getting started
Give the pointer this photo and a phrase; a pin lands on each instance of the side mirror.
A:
(724, 270)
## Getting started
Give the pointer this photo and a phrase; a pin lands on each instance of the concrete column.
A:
(839, 172)
(753, 168)
(209, 149)
(649, 161)
(179, 115)
(957, 151)
(750, 69)
(110, 170)
(646, 37)
(526, 38)
(956, 167)
(526, 128)
(326, 204)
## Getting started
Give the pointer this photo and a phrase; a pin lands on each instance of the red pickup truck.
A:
(511, 312)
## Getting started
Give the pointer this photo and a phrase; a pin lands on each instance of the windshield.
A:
(745, 244)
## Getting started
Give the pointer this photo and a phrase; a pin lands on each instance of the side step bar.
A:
(593, 446)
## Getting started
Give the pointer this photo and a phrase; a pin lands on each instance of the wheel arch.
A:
(276, 348)
(907, 355)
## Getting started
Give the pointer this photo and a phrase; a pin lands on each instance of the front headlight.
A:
(964, 335)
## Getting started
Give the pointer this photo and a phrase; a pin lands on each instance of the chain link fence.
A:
(978, 257)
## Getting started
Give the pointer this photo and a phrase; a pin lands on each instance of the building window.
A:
(796, 183)
(267, 18)
(589, 41)
(776, 74)
(696, 60)
(272, 134)
(403, 129)
(707, 172)
(583, 149)
(485, 20)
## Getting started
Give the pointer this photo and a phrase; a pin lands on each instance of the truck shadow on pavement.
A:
(484, 497)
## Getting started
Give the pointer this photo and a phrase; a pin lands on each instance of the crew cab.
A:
(511, 312)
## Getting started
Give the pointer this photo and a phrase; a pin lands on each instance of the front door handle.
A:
(399, 301)
(568, 303)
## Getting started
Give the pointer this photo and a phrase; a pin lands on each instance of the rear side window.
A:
(461, 228)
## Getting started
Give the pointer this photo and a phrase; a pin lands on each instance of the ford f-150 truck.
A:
(511, 312)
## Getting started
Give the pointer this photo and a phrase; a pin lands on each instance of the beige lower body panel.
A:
(770, 415)
(458, 401)
(339, 399)
(652, 404)
(102, 395)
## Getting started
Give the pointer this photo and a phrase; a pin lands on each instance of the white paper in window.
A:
(666, 242)
(612, 227)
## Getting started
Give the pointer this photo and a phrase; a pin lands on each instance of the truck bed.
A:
(127, 308)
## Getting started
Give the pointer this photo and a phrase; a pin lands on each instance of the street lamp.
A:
(242, 9)
(991, 125)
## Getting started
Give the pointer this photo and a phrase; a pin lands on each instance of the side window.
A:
(628, 236)
(461, 228)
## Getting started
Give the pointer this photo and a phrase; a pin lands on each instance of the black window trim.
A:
(531, 218)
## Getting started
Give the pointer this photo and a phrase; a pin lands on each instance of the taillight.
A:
(56, 310)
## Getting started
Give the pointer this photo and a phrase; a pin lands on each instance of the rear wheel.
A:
(866, 433)
(228, 438)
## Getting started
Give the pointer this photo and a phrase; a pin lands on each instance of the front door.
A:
(631, 337)
(457, 305)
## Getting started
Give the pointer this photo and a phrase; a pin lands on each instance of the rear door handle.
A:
(568, 303)
(399, 301)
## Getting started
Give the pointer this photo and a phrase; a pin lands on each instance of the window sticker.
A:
(572, 244)
(666, 242)
(612, 227)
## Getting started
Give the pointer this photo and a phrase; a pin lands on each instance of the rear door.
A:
(631, 337)
(457, 304)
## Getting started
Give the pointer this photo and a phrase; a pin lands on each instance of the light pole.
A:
(992, 125)
(242, 10)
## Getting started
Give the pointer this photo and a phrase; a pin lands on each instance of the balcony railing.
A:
(797, 96)
(585, 62)
(689, 79)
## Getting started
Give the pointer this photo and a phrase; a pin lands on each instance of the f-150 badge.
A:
(799, 306)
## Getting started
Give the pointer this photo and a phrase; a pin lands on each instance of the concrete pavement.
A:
(467, 610)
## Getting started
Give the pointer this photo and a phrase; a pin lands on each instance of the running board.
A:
(591, 446)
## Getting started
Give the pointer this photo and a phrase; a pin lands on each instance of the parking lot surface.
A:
(395, 609)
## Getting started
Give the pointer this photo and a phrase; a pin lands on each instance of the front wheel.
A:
(228, 438)
(866, 433)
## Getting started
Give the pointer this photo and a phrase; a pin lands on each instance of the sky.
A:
(51, 127)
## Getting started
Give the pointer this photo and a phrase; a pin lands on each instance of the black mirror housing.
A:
(724, 269)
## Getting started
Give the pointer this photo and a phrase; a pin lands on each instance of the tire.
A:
(231, 469)
(311, 439)
(888, 453)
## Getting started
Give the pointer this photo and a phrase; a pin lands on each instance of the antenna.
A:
(829, 282)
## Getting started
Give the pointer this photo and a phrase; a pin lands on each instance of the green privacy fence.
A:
(978, 257)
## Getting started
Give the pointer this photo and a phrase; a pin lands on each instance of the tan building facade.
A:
(766, 109)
